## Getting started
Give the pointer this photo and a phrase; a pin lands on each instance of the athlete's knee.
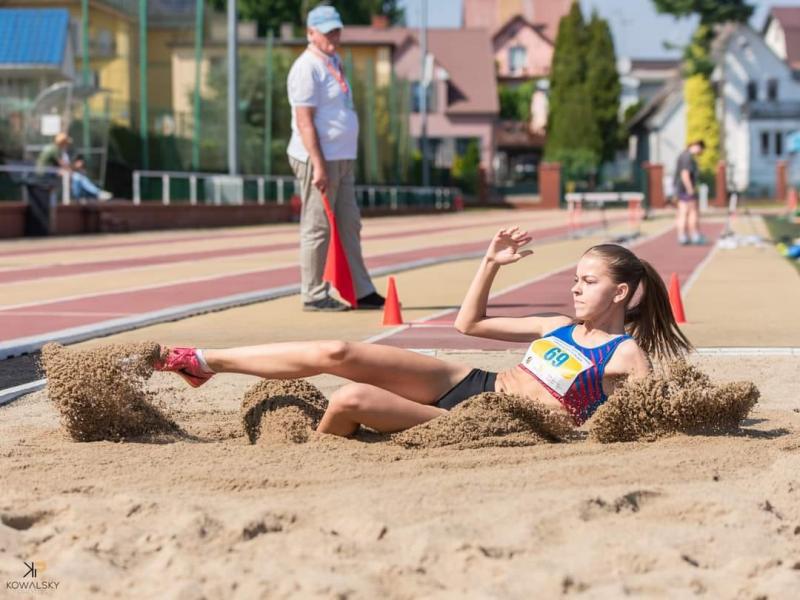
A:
(349, 399)
(332, 352)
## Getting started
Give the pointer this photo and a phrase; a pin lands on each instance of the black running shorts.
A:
(476, 382)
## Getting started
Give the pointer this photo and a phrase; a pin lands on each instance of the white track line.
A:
(9, 394)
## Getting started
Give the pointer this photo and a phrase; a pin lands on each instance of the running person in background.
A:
(686, 175)
(622, 316)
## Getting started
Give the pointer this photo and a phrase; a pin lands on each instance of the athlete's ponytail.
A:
(650, 320)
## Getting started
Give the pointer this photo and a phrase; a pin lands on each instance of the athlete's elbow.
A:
(463, 326)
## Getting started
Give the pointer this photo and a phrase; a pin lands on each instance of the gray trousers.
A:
(315, 231)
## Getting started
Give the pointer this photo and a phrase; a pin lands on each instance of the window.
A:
(778, 143)
(752, 91)
(517, 59)
(772, 89)
(764, 143)
(416, 97)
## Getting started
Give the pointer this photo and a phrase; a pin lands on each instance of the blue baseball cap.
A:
(324, 19)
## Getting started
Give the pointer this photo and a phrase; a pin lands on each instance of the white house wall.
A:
(748, 58)
(669, 140)
(775, 38)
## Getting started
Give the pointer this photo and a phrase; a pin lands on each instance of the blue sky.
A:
(639, 32)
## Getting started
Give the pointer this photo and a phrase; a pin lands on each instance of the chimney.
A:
(380, 22)
(287, 31)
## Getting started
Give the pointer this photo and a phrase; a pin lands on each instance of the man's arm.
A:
(686, 178)
(308, 133)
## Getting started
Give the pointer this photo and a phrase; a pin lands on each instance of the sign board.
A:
(51, 124)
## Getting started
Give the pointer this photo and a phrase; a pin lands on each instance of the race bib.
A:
(556, 363)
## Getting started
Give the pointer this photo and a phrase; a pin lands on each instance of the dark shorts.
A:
(687, 197)
(476, 382)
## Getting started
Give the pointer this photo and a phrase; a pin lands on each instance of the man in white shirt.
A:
(322, 152)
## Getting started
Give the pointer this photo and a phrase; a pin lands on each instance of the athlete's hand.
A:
(505, 247)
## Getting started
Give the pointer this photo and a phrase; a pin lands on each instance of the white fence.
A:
(31, 175)
(231, 189)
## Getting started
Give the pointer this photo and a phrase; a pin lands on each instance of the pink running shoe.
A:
(185, 363)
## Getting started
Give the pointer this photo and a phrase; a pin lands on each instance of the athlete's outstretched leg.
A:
(410, 375)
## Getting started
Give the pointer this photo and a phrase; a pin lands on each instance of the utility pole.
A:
(423, 87)
(198, 57)
(85, 73)
(143, 116)
(233, 89)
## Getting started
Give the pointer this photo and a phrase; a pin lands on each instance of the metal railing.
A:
(38, 172)
(284, 187)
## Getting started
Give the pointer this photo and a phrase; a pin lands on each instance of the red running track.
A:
(80, 268)
(550, 294)
(42, 319)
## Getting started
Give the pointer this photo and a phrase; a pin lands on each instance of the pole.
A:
(143, 83)
(198, 56)
(268, 106)
(371, 141)
(233, 96)
(423, 105)
(85, 76)
(393, 127)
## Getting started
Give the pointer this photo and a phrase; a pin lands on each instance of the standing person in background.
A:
(686, 173)
(322, 153)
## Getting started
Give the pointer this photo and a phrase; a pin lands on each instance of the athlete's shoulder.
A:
(552, 322)
(629, 358)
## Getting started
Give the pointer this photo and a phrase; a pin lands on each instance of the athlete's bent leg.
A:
(363, 404)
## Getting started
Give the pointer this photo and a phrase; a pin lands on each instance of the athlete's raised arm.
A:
(506, 247)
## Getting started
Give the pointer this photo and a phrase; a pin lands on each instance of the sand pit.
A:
(289, 411)
(275, 411)
(226, 519)
(100, 393)
(679, 398)
(486, 420)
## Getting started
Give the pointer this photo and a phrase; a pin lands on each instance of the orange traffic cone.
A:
(675, 299)
(391, 310)
(337, 269)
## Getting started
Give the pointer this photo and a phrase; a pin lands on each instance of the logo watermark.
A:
(32, 580)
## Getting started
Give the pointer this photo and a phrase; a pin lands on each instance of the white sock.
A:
(202, 360)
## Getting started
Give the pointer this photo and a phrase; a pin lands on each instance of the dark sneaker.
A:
(373, 301)
(327, 304)
(699, 240)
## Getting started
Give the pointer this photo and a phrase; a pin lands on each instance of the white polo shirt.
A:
(311, 83)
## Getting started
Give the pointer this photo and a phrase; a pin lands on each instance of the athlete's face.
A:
(594, 292)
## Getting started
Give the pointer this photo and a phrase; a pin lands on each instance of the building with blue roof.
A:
(35, 51)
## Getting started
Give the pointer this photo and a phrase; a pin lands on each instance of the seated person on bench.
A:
(57, 155)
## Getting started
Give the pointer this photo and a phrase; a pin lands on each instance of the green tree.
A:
(466, 168)
(271, 14)
(701, 121)
(602, 79)
(698, 63)
(515, 101)
(572, 135)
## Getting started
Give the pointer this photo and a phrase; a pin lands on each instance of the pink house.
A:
(462, 99)
(522, 51)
